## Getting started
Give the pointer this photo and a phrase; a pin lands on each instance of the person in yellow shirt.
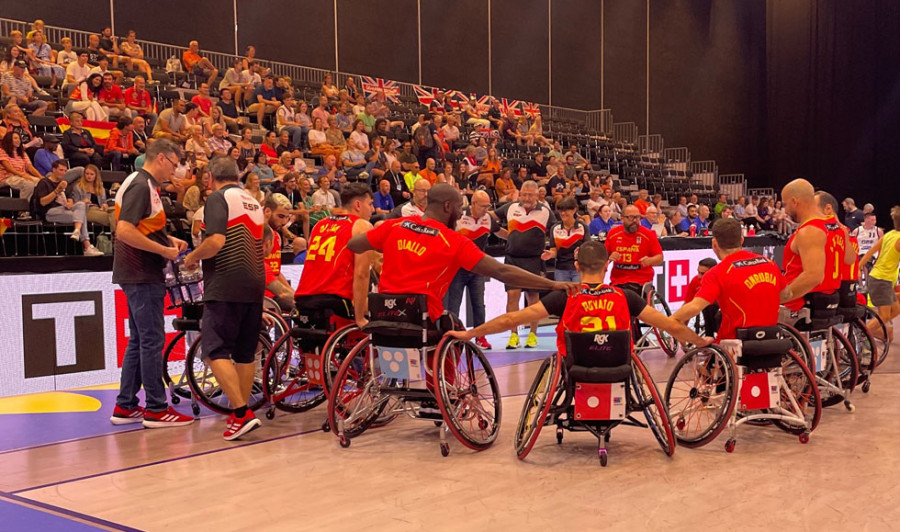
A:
(883, 276)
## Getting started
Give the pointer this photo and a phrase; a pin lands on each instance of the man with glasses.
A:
(634, 251)
(415, 206)
(142, 248)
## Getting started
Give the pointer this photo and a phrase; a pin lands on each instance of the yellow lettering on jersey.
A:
(633, 249)
(412, 247)
(597, 304)
(756, 278)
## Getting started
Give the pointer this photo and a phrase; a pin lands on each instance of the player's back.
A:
(329, 265)
(747, 288)
(597, 307)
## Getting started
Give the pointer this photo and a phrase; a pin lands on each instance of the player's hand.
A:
(461, 335)
(615, 256)
(170, 253)
(361, 322)
(570, 288)
(705, 341)
(179, 244)
(546, 255)
(645, 261)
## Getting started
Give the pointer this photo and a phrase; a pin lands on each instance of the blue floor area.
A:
(17, 517)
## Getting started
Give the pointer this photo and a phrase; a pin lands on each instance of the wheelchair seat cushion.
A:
(821, 305)
(600, 374)
(851, 313)
(752, 348)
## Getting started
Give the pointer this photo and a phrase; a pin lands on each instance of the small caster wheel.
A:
(326, 427)
(175, 399)
(196, 410)
(680, 424)
(445, 450)
(270, 414)
(606, 437)
(559, 436)
(804, 437)
(604, 458)
(729, 446)
(438, 424)
(866, 386)
(849, 406)
(345, 441)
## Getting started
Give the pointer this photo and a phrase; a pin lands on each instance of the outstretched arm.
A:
(359, 244)
(505, 322)
(690, 309)
(511, 275)
(654, 318)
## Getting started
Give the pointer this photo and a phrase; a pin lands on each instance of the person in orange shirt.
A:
(198, 65)
(120, 144)
(428, 173)
(642, 202)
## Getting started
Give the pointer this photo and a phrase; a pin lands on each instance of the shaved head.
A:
(480, 195)
(444, 204)
(442, 192)
(800, 189)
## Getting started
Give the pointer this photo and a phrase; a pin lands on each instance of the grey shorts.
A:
(881, 292)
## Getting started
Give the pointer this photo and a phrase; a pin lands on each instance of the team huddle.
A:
(427, 253)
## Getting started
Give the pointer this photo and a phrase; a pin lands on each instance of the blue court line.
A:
(20, 513)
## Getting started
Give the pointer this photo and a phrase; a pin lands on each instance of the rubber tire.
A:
(846, 359)
(810, 394)
(663, 434)
(360, 350)
(201, 396)
(550, 369)
(275, 375)
(178, 391)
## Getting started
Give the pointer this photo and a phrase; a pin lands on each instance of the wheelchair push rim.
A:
(355, 397)
(205, 387)
(287, 384)
(537, 405)
(666, 341)
(801, 382)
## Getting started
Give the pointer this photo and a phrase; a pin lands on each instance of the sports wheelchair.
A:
(303, 362)
(653, 338)
(405, 366)
(756, 378)
(597, 387)
(814, 331)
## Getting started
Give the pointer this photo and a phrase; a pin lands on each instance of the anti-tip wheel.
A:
(196, 410)
(345, 442)
(175, 399)
(270, 413)
(866, 386)
(445, 450)
(729, 446)
(326, 427)
(604, 457)
(804, 437)
(559, 436)
(680, 423)
(438, 424)
(849, 406)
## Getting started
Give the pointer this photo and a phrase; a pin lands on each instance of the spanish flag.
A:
(99, 130)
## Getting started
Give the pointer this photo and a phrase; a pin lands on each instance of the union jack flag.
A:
(374, 86)
(425, 95)
(531, 109)
(482, 103)
(508, 106)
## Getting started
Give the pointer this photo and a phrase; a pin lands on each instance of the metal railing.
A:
(762, 192)
(601, 120)
(651, 145)
(626, 132)
(678, 158)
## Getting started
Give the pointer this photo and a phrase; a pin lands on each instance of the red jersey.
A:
(329, 264)
(421, 256)
(693, 288)
(137, 99)
(112, 95)
(850, 272)
(747, 287)
(834, 257)
(597, 307)
(632, 247)
(205, 104)
(272, 262)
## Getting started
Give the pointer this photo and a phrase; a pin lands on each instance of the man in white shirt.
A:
(323, 197)
(78, 70)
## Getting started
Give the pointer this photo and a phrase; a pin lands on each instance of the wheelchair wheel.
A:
(174, 374)
(701, 395)
(698, 325)
(801, 384)
(356, 399)
(647, 398)
(274, 324)
(205, 386)
(467, 393)
(864, 345)
(879, 333)
(801, 345)
(846, 374)
(287, 386)
(666, 341)
(537, 405)
(336, 349)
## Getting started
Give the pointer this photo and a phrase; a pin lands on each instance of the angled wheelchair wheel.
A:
(468, 394)
(701, 394)
(845, 375)
(879, 333)
(174, 364)
(666, 341)
(648, 399)
(866, 352)
(356, 401)
(205, 386)
(537, 405)
(800, 345)
(801, 385)
(274, 324)
(698, 324)
(336, 349)
(287, 386)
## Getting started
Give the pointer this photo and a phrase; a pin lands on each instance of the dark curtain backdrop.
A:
(455, 45)
(576, 53)
(379, 38)
(290, 31)
(519, 55)
(625, 60)
(86, 15)
(176, 22)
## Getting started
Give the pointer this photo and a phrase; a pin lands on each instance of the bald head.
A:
(800, 189)
(442, 192)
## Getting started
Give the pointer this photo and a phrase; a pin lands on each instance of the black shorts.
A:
(230, 330)
(634, 287)
(530, 264)
(342, 308)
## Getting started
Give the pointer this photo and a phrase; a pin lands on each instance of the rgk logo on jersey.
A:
(62, 333)
(678, 280)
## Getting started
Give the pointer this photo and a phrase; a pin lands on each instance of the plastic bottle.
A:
(693, 230)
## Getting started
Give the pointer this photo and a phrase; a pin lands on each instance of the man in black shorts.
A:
(527, 221)
(234, 282)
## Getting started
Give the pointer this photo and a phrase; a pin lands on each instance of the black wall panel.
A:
(455, 44)
(625, 61)
(519, 55)
(210, 22)
(379, 38)
(85, 15)
(707, 81)
(290, 31)
(576, 53)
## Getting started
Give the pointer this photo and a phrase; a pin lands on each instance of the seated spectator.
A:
(43, 158)
(322, 110)
(15, 120)
(66, 56)
(103, 68)
(111, 98)
(451, 135)
(236, 81)
(334, 136)
(286, 121)
(580, 161)
(674, 223)
(318, 142)
(285, 146)
(77, 71)
(594, 203)
(643, 201)
(382, 199)
(536, 132)
(202, 100)
(17, 87)
(702, 219)
(171, 123)
(138, 101)
(720, 205)
(260, 166)
(350, 87)
(198, 65)
(474, 116)
(134, 55)
(192, 116)
(412, 176)
(406, 157)
(218, 142)
(90, 191)
(538, 168)
(50, 203)
(193, 197)
(684, 226)
(78, 144)
(329, 90)
(269, 147)
(267, 101)
(215, 118)
(494, 114)
(602, 224)
(335, 176)
(248, 149)
(751, 212)
(16, 170)
(353, 162)
(359, 135)
(508, 129)
(360, 105)
(139, 134)
(251, 186)
(233, 121)
(85, 99)
(763, 215)
(323, 198)
(198, 146)
(556, 150)
(44, 60)
(490, 168)
(250, 60)
(376, 161)
(428, 172)
(377, 109)
(120, 145)
(505, 188)
(343, 119)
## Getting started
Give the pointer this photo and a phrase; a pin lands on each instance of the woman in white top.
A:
(286, 118)
(44, 59)
(359, 135)
(85, 99)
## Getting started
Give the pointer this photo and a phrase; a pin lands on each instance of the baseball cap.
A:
(21, 64)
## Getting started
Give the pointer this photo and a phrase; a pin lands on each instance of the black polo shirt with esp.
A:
(138, 203)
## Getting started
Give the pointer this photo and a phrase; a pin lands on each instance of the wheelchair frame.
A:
(664, 341)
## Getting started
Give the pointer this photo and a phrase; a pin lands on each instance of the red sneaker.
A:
(482, 342)
(166, 418)
(235, 428)
(122, 416)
